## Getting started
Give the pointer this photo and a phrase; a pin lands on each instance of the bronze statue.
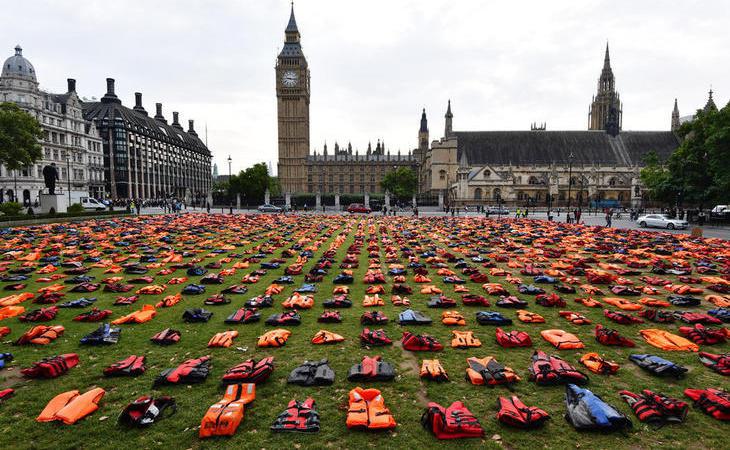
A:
(50, 175)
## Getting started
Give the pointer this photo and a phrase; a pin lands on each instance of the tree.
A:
(401, 182)
(251, 184)
(19, 136)
(698, 172)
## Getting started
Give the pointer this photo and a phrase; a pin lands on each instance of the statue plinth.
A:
(59, 203)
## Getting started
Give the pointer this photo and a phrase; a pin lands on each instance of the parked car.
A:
(720, 212)
(358, 208)
(93, 204)
(267, 207)
(661, 221)
(499, 210)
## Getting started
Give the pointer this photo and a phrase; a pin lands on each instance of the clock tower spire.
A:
(292, 102)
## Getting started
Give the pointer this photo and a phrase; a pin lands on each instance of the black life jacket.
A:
(441, 301)
(514, 413)
(718, 363)
(262, 301)
(420, 342)
(168, 336)
(549, 370)
(244, 315)
(339, 301)
(197, 315)
(104, 335)
(285, 318)
(371, 369)
(330, 317)
(401, 289)
(312, 373)
(514, 338)
(608, 336)
(658, 366)
(656, 408)
(684, 300)
(131, 366)
(510, 301)
(146, 410)
(190, 371)
(492, 318)
(373, 318)
(374, 337)
(298, 416)
(453, 422)
(249, 371)
(51, 367)
(713, 402)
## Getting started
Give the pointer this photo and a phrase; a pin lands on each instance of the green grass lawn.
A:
(405, 395)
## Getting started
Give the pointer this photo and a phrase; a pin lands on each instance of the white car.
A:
(269, 208)
(661, 221)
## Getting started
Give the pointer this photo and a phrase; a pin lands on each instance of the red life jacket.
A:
(703, 336)
(420, 342)
(513, 338)
(550, 300)
(474, 300)
(655, 408)
(374, 337)
(657, 316)
(167, 336)
(718, 363)
(298, 416)
(249, 371)
(40, 315)
(190, 371)
(711, 401)
(621, 317)
(95, 315)
(453, 422)
(131, 366)
(550, 370)
(608, 336)
(51, 367)
(373, 318)
(514, 413)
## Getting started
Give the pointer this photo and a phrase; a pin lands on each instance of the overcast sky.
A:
(376, 63)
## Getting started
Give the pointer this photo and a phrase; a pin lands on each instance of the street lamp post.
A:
(68, 176)
(570, 180)
(230, 198)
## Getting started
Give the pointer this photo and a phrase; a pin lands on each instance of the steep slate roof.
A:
(154, 128)
(546, 147)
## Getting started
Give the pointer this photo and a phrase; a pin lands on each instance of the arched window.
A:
(442, 174)
(26, 197)
(620, 196)
(478, 194)
(497, 194)
(613, 181)
(533, 180)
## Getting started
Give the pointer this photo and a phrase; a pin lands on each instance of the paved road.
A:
(592, 220)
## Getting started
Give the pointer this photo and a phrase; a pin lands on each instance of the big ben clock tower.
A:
(292, 101)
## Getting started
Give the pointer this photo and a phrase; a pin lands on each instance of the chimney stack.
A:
(159, 116)
(71, 85)
(175, 122)
(191, 128)
(138, 103)
(110, 96)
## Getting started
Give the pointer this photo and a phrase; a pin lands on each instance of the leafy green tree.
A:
(401, 182)
(698, 172)
(19, 136)
(251, 184)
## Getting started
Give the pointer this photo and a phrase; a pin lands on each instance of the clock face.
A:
(289, 79)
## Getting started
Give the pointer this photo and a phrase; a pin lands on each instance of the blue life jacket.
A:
(492, 318)
(193, 289)
(587, 411)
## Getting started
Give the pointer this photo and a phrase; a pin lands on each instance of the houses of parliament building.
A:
(532, 167)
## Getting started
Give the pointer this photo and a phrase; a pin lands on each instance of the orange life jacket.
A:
(464, 339)
(597, 364)
(326, 337)
(452, 318)
(621, 303)
(667, 341)
(298, 301)
(41, 335)
(372, 300)
(140, 316)
(15, 299)
(7, 312)
(562, 339)
(653, 302)
(274, 338)
(487, 371)
(589, 302)
(430, 290)
(367, 410)
(433, 370)
(224, 339)
(154, 289)
(70, 407)
(575, 318)
(529, 317)
(223, 418)
(721, 301)
(170, 300)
